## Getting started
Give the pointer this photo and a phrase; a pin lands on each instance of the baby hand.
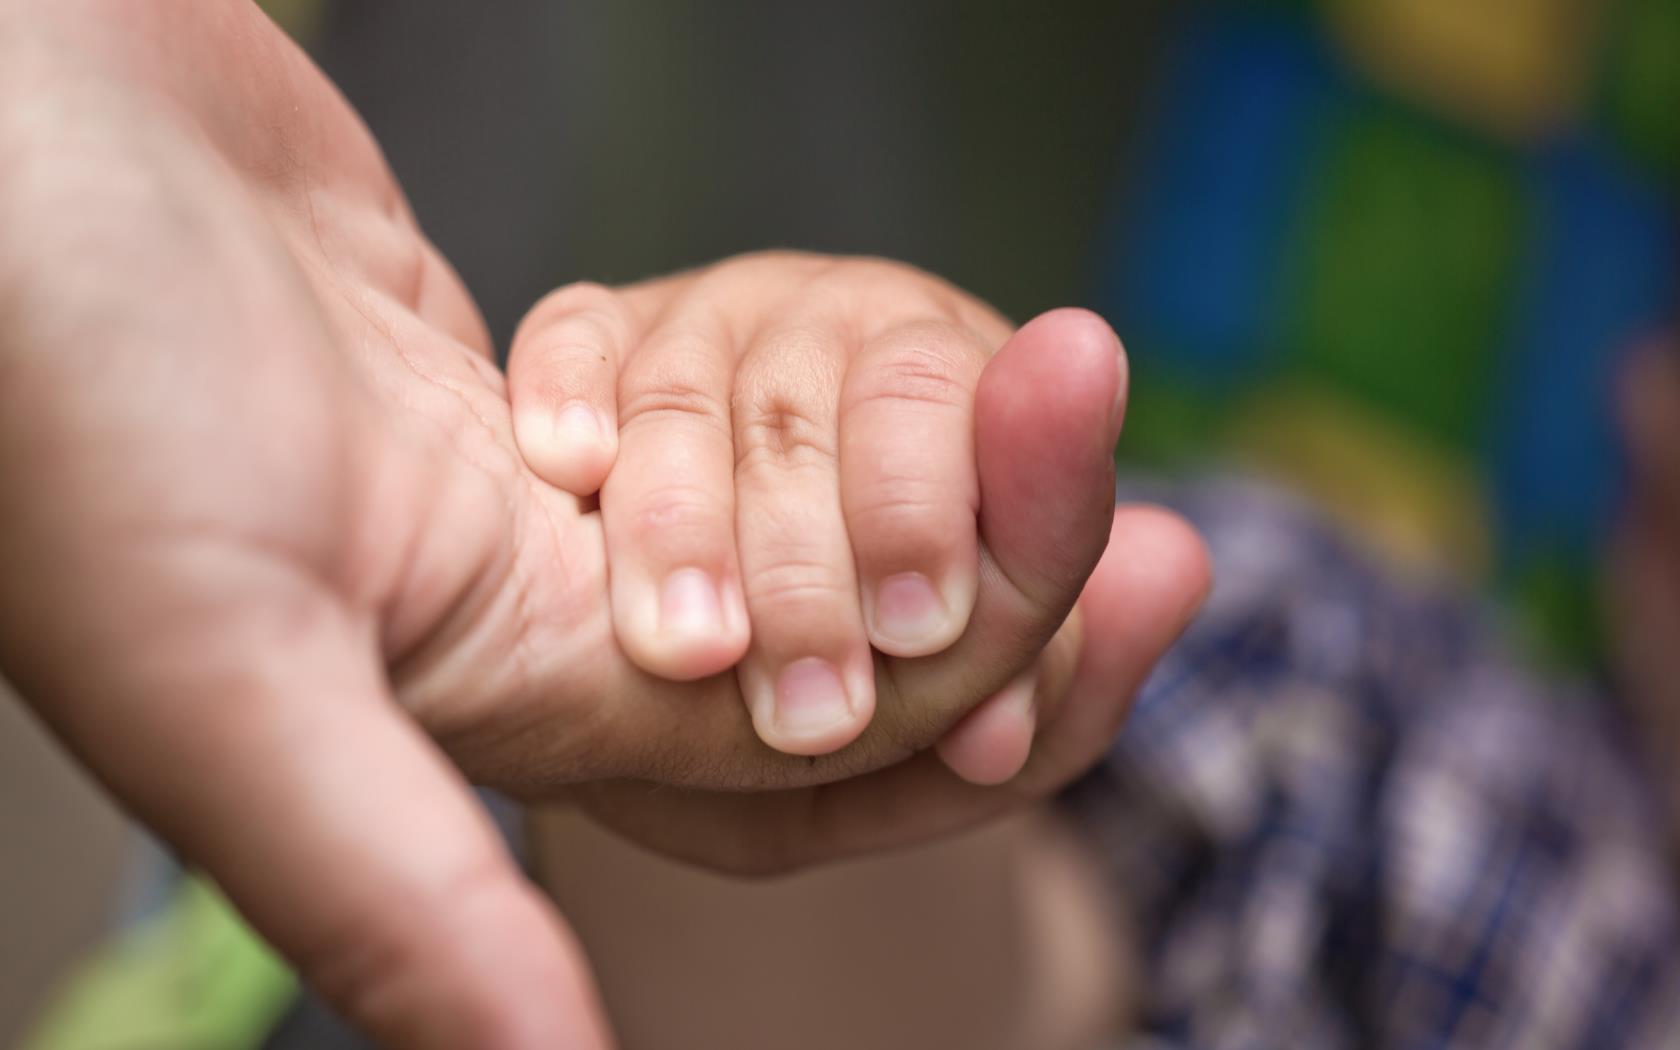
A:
(784, 448)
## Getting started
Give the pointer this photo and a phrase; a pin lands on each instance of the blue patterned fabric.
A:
(1347, 818)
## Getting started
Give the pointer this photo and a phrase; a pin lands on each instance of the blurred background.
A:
(1385, 250)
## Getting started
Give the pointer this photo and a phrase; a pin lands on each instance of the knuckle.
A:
(926, 363)
(673, 400)
(780, 432)
(798, 583)
(784, 399)
(673, 395)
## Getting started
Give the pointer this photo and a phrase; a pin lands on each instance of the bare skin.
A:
(272, 566)
(1001, 938)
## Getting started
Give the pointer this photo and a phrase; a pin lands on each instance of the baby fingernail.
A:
(578, 424)
(909, 610)
(689, 604)
(810, 698)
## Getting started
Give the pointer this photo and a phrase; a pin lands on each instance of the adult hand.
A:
(266, 531)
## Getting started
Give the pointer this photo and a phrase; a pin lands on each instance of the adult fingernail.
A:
(689, 604)
(909, 611)
(1117, 411)
(810, 699)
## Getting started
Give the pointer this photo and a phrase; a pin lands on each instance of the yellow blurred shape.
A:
(1418, 504)
(1518, 68)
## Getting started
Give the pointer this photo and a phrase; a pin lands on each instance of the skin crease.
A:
(276, 572)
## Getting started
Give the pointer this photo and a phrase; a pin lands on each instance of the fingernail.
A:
(1117, 411)
(689, 604)
(810, 698)
(909, 609)
(1021, 694)
(578, 424)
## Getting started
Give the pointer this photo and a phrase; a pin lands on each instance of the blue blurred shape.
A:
(1602, 276)
(1195, 272)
